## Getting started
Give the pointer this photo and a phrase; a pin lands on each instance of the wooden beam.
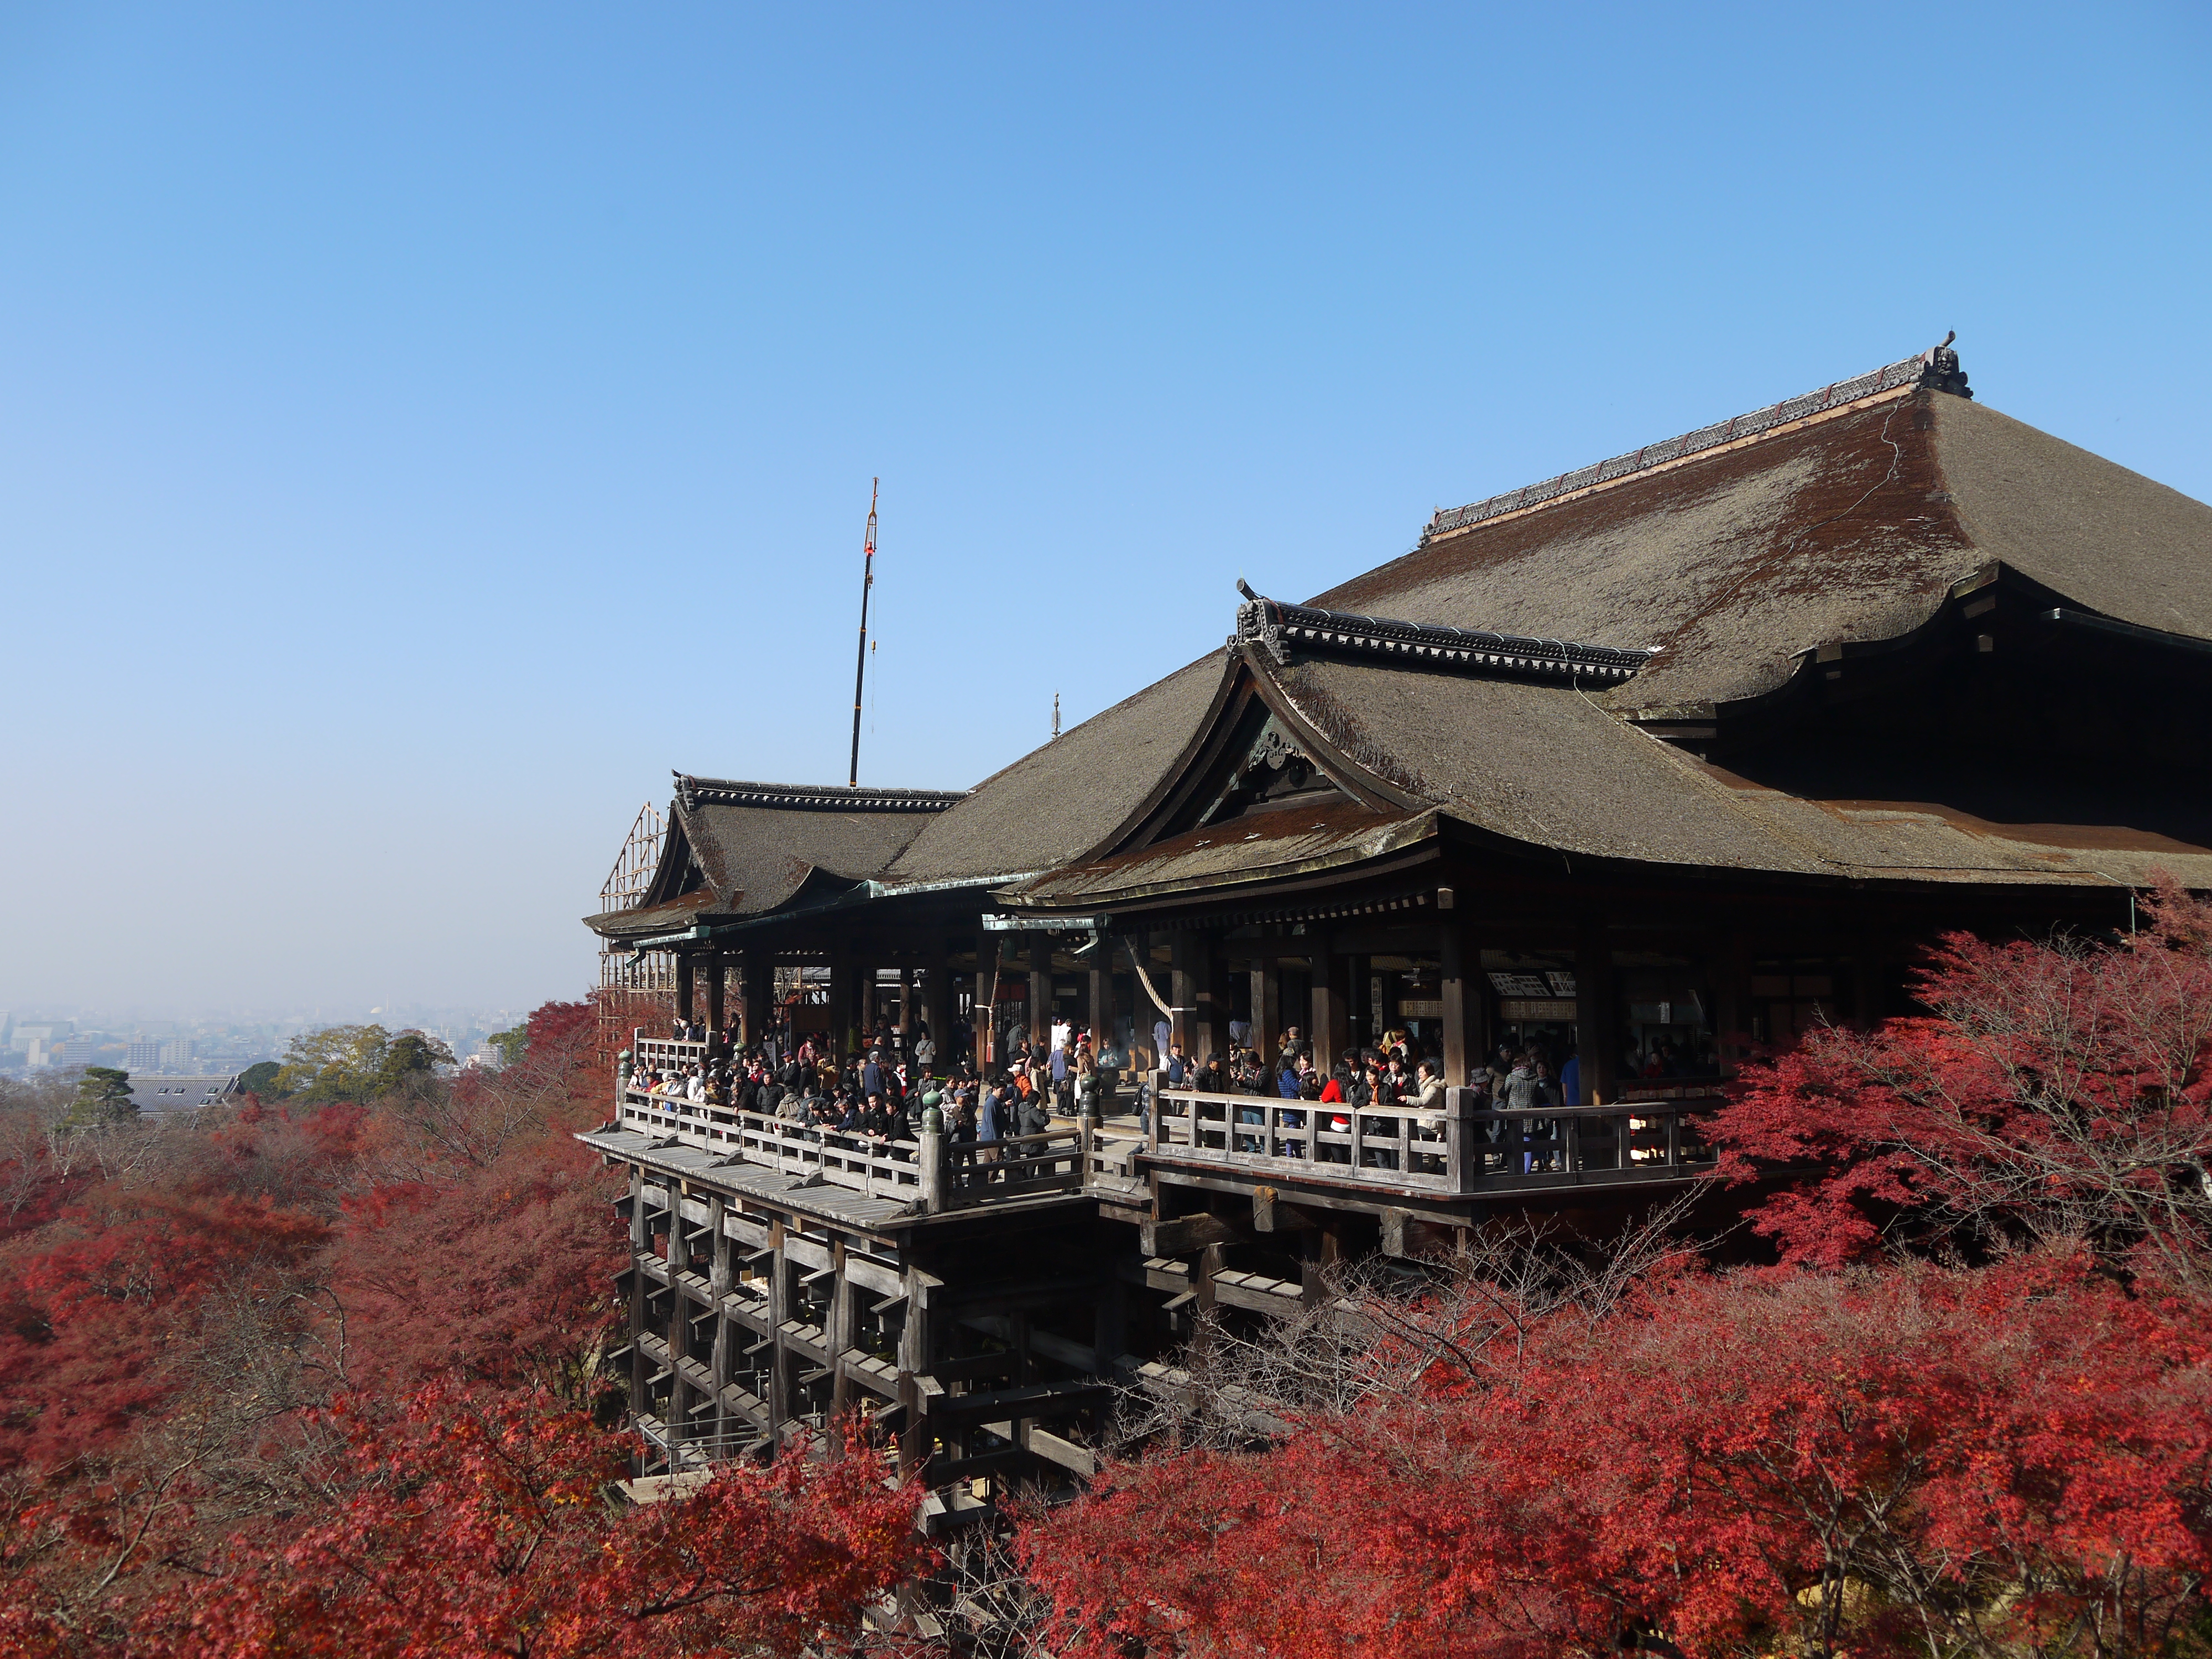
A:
(1079, 1459)
(1038, 1400)
(1269, 1215)
(1187, 1233)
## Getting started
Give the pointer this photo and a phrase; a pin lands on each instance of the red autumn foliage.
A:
(2053, 1091)
(1910, 1461)
(499, 1274)
(1892, 1457)
(472, 1523)
(211, 1325)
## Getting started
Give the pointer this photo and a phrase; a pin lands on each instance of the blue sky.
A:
(422, 426)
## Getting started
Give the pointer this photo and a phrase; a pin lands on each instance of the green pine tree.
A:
(103, 1095)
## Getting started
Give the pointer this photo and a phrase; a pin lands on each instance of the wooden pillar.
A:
(1210, 1023)
(683, 976)
(906, 1013)
(720, 1281)
(1454, 991)
(1211, 1260)
(841, 995)
(1040, 993)
(757, 997)
(1100, 1001)
(1597, 1031)
(779, 1357)
(641, 1246)
(718, 975)
(1266, 1006)
(986, 1014)
(1332, 1009)
(937, 1003)
(1198, 1023)
(1109, 1335)
(678, 1332)
(838, 1332)
(917, 1356)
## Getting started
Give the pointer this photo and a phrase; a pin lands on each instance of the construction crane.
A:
(861, 672)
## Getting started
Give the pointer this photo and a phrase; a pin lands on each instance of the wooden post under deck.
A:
(720, 1280)
(640, 1245)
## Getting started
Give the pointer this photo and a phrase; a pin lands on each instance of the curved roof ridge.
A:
(817, 797)
(1276, 625)
(1937, 366)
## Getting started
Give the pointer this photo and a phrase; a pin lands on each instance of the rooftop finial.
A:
(1939, 369)
(1245, 588)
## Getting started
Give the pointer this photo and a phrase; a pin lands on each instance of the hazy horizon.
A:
(424, 429)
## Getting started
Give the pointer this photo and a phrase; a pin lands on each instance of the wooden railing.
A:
(1463, 1147)
(1020, 1166)
(932, 1171)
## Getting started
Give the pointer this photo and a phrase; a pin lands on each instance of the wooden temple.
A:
(1654, 760)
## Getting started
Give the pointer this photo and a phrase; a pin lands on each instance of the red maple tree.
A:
(2054, 1090)
(1876, 1462)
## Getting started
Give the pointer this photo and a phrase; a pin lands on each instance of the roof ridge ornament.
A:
(1274, 628)
(1936, 368)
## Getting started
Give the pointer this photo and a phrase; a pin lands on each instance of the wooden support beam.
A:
(718, 976)
(1037, 1399)
(843, 1325)
(1271, 1215)
(1040, 1442)
(1187, 1233)
(1000, 1460)
(781, 1368)
(978, 1368)
(1394, 1230)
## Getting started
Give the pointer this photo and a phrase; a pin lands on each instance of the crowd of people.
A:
(878, 1095)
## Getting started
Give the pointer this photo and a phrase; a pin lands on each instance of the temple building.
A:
(1648, 764)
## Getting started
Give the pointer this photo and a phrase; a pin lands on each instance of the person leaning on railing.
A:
(1428, 1089)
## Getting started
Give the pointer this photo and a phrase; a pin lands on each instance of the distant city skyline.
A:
(38, 1039)
(423, 427)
